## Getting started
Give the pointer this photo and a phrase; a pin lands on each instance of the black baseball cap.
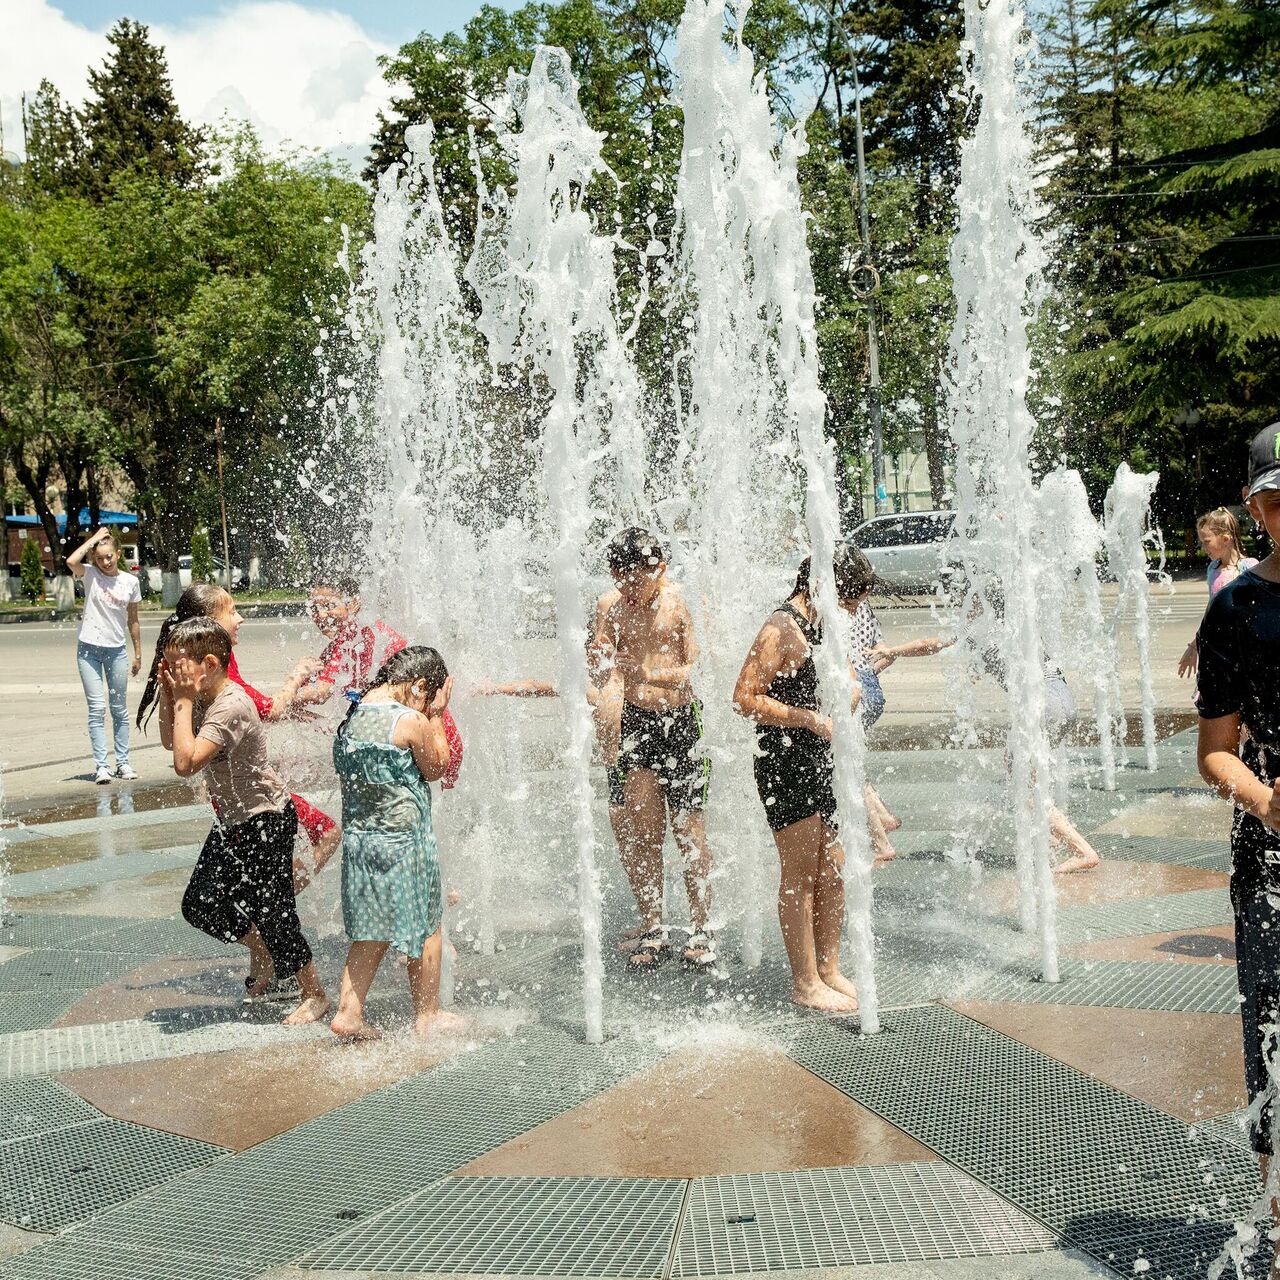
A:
(1264, 460)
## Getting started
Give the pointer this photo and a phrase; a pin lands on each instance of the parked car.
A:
(911, 550)
(239, 578)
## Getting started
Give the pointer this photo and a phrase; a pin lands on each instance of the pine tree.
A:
(131, 119)
(201, 556)
(55, 160)
(32, 569)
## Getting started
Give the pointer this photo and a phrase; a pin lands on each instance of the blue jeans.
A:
(101, 666)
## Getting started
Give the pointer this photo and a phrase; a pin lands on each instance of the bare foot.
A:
(310, 1010)
(884, 852)
(354, 1029)
(824, 998)
(630, 937)
(838, 982)
(1080, 862)
(440, 1023)
(256, 983)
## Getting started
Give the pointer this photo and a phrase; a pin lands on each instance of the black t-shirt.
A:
(1239, 643)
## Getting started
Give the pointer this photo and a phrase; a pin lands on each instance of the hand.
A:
(103, 532)
(882, 656)
(1190, 660)
(632, 668)
(137, 664)
(183, 679)
(436, 707)
(1272, 816)
(304, 669)
(822, 726)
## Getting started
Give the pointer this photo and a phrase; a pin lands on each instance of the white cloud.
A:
(305, 76)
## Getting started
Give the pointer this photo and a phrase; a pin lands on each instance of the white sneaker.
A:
(126, 771)
(103, 776)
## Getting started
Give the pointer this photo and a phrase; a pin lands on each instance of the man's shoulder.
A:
(609, 601)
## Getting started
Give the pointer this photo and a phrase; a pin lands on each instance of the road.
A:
(44, 746)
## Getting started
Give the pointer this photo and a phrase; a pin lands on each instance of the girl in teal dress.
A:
(391, 745)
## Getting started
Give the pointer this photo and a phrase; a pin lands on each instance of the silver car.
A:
(911, 550)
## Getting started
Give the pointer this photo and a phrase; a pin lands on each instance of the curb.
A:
(268, 609)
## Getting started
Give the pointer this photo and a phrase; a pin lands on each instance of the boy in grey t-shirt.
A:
(241, 889)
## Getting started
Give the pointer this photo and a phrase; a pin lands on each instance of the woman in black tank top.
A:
(778, 689)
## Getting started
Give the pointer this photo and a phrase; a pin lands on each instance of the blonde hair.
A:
(1220, 520)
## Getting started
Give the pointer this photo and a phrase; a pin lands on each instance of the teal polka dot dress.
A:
(390, 868)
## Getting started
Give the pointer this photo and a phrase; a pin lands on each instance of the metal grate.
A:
(1229, 1129)
(32, 1010)
(1173, 850)
(54, 1179)
(1060, 1145)
(847, 1217)
(80, 875)
(518, 1226)
(39, 929)
(63, 970)
(1130, 917)
(69, 1259)
(38, 1106)
(170, 936)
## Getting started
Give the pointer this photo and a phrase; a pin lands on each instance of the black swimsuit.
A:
(794, 768)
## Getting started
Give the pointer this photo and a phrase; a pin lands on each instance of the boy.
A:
(644, 631)
(355, 654)
(241, 889)
(1239, 652)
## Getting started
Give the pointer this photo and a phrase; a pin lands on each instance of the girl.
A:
(1239, 757)
(390, 746)
(111, 599)
(204, 600)
(1219, 535)
(778, 689)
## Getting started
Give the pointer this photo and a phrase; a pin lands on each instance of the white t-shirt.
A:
(106, 607)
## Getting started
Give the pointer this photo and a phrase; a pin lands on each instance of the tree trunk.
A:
(935, 454)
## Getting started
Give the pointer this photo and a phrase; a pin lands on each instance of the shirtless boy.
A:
(644, 631)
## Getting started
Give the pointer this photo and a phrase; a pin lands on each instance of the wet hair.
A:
(199, 600)
(341, 584)
(199, 638)
(633, 549)
(1220, 520)
(406, 666)
(854, 574)
(111, 538)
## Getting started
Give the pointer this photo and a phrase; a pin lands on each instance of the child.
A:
(111, 599)
(1239, 757)
(643, 630)
(1219, 535)
(354, 653)
(205, 600)
(241, 889)
(390, 746)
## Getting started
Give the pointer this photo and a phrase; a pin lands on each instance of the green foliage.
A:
(201, 556)
(32, 567)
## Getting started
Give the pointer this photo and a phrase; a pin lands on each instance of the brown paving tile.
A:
(1110, 880)
(160, 984)
(238, 1099)
(1188, 1064)
(1145, 946)
(694, 1115)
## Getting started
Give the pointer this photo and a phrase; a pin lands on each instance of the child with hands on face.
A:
(241, 889)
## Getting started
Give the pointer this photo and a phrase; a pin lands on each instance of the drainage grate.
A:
(32, 1010)
(69, 1259)
(518, 1226)
(38, 1106)
(1130, 917)
(171, 936)
(1060, 1145)
(1121, 984)
(1229, 1128)
(52, 1180)
(63, 970)
(36, 929)
(847, 1217)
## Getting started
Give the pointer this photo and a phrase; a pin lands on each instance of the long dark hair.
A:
(854, 574)
(199, 600)
(406, 666)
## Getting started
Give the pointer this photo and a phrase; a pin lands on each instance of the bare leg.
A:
(646, 822)
(801, 847)
(888, 819)
(424, 986)
(828, 916)
(1264, 1163)
(690, 831)
(363, 959)
(881, 845)
(261, 970)
(1084, 857)
(621, 825)
(307, 866)
(315, 1002)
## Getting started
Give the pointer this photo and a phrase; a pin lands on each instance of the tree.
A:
(55, 160)
(201, 556)
(32, 568)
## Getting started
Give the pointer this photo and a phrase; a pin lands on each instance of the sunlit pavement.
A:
(998, 1126)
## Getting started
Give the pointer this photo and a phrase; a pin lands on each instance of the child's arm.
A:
(190, 753)
(677, 677)
(770, 653)
(1218, 755)
(135, 635)
(75, 561)
(295, 689)
(884, 655)
(424, 734)
(516, 689)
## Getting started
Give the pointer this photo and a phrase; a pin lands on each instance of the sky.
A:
(303, 73)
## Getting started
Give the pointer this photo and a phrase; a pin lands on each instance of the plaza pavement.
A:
(155, 1128)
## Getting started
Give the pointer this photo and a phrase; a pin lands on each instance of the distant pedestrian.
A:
(111, 599)
(1219, 535)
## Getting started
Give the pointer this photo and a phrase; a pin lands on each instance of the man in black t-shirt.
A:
(1239, 756)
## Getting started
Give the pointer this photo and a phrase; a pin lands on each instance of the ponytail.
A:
(405, 666)
(199, 600)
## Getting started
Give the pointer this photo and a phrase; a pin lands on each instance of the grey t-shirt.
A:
(241, 782)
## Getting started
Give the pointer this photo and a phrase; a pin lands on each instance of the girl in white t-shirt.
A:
(111, 599)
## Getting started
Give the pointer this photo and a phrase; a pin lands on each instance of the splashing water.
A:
(996, 265)
(1126, 521)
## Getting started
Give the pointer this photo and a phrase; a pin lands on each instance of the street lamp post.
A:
(222, 504)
